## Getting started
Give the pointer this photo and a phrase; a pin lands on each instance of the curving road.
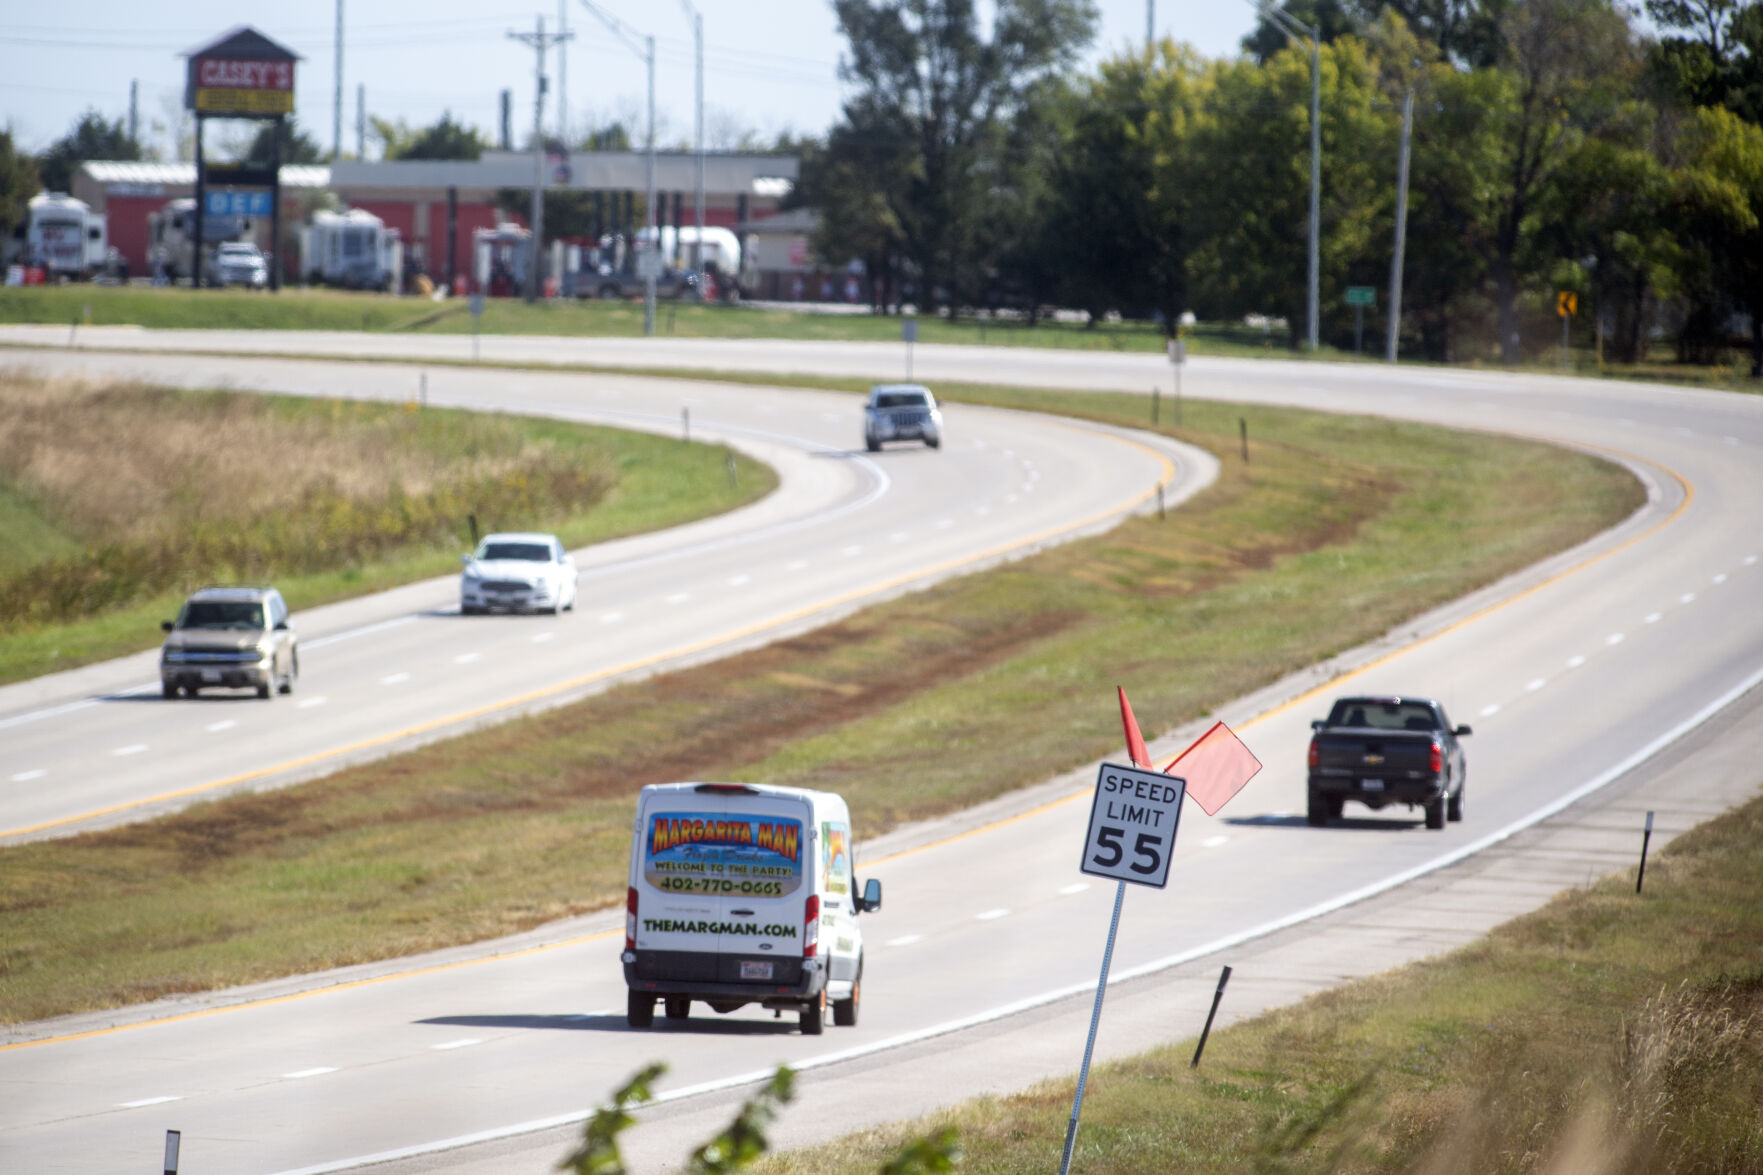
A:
(1613, 679)
(99, 745)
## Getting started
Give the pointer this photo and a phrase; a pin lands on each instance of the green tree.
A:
(297, 145)
(923, 74)
(1465, 32)
(854, 183)
(92, 137)
(18, 183)
(444, 139)
(1722, 198)
(1711, 53)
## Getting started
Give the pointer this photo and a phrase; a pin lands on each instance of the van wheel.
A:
(639, 1010)
(814, 1015)
(168, 689)
(845, 1011)
(264, 691)
(677, 1007)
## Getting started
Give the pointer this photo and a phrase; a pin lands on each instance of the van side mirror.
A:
(1461, 730)
(871, 899)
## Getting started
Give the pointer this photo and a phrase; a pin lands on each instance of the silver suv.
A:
(901, 412)
(234, 637)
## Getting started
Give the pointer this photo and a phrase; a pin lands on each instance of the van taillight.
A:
(630, 919)
(1315, 753)
(811, 927)
(1436, 760)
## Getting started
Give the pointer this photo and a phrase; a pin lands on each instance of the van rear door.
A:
(724, 868)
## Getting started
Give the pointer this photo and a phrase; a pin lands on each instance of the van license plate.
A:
(751, 970)
(1371, 784)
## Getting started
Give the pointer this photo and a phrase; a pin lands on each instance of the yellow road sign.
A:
(1566, 303)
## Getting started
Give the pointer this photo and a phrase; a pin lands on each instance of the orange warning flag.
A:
(1135, 742)
(1216, 767)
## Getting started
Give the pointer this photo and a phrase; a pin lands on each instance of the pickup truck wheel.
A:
(813, 1019)
(1454, 805)
(677, 1007)
(1435, 813)
(639, 1010)
(1317, 812)
(845, 1011)
(607, 293)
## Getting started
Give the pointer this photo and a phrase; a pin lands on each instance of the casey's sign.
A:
(226, 84)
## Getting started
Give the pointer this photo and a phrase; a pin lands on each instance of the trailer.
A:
(62, 237)
(351, 249)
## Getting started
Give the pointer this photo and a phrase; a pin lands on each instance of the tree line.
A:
(1557, 145)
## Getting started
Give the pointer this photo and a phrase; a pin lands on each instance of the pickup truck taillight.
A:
(1315, 753)
(811, 927)
(630, 919)
(1436, 760)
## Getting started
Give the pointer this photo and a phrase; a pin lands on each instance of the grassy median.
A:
(1336, 530)
(326, 498)
(1604, 1034)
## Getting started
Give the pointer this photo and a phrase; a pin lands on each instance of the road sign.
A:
(1361, 295)
(237, 203)
(1566, 303)
(648, 265)
(909, 330)
(1132, 824)
(477, 305)
(1178, 351)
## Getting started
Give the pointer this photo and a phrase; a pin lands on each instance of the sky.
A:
(769, 65)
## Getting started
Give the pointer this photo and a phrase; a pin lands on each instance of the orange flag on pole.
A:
(1135, 742)
(1216, 767)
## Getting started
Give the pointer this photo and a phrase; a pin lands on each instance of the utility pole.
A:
(361, 120)
(1389, 348)
(506, 141)
(540, 41)
(697, 19)
(337, 98)
(134, 122)
(643, 47)
(563, 76)
(1298, 32)
(1150, 24)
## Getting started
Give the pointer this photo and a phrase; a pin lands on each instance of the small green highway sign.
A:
(1361, 295)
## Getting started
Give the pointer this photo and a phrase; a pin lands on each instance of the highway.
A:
(1614, 677)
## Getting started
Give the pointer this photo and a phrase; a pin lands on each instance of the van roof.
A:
(769, 790)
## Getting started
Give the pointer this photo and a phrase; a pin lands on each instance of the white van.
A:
(743, 894)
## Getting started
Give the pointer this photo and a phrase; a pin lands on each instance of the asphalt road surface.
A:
(1616, 677)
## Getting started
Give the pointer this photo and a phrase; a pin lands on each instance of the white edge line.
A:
(1604, 779)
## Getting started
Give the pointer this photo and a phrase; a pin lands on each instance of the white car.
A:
(901, 412)
(517, 573)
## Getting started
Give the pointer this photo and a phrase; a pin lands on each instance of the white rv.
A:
(63, 236)
(352, 249)
(744, 894)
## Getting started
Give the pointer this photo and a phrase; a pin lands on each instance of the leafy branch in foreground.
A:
(741, 1142)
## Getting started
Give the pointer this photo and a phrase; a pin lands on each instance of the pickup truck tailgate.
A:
(1359, 752)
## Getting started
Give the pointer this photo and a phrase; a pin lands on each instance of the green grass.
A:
(1603, 1034)
(1340, 528)
(327, 499)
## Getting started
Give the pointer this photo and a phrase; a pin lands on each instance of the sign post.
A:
(909, 335)
(1359, 297)
(1566, 305)
(477, 318)
(1178, 357)
(1133, 817)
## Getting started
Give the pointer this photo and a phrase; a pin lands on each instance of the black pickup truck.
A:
(1382, 750)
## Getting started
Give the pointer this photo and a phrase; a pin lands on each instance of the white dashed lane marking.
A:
(27, 776)
(309, 703)
(395, 679)
(131, 749)
(1748, 560)
(612, 618)
(541, 638)
(992, 915)
(905, 940)
(320, 1071)
(149, 1101)
(1651, 618)
(739, 580)
(465, 658)
(1489, 710)
(1535, 684)
(1575, 662)
(1074, 887)
(1721, 578)
(456, 1044)
(1614, 638)
(945, 523)
(1213, 842)
(1687, 598)
(678, 598)
(851, 550)
(217, 727)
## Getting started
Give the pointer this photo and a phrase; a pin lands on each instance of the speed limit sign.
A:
(1132, 824)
